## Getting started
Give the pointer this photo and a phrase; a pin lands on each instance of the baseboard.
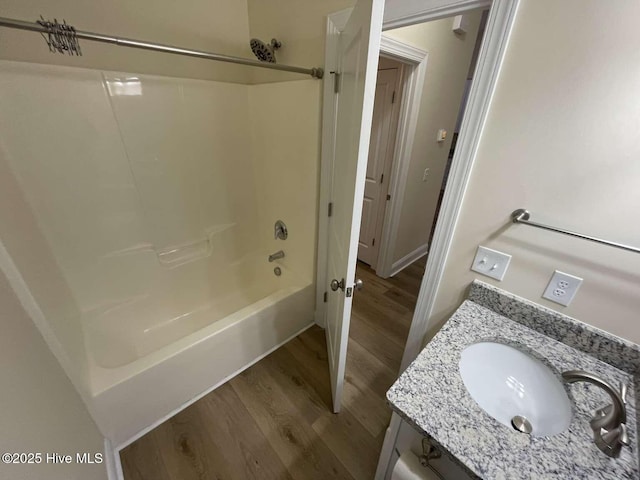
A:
(408, 259)
(112, 455)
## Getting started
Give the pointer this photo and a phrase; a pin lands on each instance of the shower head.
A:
(265, 52)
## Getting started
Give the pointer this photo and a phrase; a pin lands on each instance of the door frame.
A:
(492, 51)
(415, 60)
(399, 14)
(496, 37)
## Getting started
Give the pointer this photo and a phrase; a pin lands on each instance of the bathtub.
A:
(136, 232)
(138, 355)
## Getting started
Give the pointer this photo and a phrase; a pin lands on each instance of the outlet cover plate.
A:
(491, 263)
(562, 288)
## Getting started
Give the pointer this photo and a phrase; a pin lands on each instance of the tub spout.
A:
(276, 256)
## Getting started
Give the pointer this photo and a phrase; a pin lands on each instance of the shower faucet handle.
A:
(280, 230)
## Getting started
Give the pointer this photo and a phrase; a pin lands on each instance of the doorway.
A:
(386, 113)
(410, 163)
(413, 140)
(413, 136)
(419, 162)
(350, 147)
(436, 73)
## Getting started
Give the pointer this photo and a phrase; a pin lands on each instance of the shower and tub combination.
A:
(142, 225)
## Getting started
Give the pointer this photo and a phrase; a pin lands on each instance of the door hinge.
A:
(388, 197)
(373, 242)
(324, 297)
(336, 82)
(393, 97)
(381, 178)
(330, 209)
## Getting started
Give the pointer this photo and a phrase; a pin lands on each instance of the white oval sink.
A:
(509, 384)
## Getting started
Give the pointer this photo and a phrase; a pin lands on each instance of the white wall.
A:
(220, 26)
(117, 178)
(446, 73)
(299, 24)
(285, 123)
(286, 135)
(22, 235)
(39, 409)
(561, 140)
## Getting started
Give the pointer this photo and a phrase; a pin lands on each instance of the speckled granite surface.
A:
(606, 347)
(431, 396)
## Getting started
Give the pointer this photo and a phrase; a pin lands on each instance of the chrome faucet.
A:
(609, 422)
(276, 256)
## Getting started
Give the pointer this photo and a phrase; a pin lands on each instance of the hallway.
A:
(273, 421)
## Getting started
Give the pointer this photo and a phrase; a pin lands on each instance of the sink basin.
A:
(516, 389)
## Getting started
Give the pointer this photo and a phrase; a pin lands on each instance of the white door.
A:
(383, 130)
(359, 45)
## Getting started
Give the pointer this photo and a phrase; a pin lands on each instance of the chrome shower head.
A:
(265, 52)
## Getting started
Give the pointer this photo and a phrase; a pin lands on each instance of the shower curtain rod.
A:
(128, 42)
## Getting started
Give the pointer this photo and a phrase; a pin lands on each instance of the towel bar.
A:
(522, 216)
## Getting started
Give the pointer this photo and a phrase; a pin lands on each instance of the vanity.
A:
(488, 394)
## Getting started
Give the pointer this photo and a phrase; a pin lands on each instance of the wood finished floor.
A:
(273, 421)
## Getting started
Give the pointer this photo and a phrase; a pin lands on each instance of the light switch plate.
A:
(562, 288)
(491, 263)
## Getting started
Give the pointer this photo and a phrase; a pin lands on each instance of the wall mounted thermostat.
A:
(460, 24)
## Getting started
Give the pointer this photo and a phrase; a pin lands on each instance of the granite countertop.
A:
(431, 396)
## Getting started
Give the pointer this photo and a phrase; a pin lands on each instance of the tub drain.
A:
(521, 424)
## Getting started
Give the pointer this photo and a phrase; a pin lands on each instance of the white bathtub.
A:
(138, 364)
(136, 231)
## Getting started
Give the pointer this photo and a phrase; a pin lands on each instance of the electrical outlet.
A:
(562, 288)
(491, 263)
(425, 175)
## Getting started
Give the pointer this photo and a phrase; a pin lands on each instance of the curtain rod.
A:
(128, 42)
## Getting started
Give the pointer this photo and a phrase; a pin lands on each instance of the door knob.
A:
(335, 284)
(359, 284)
